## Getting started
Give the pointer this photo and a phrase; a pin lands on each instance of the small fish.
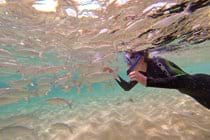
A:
(4, 52)
(7, 59)
(61, 127)
(19, 84)
(17, 119)
(16, 94)
(59, 101)
(8, 64)
(29, 70)
(20, 132)
(41, 70)
(7, 100)
(6, 90)
(89, 68)
(43, 89)
(10, 67)
(29, 52)
(98, 77)
(63, 80)
(52, 70)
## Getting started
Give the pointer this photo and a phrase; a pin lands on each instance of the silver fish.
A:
(16, 94)
(20, 84)
(52, 70)
(13, 132)
(10, 67)
(8, 64)
(17, 120)
(89, 68)
(6, 90)
(63, 80)
(43, 89)
(41, 70)
(60, 101)
(61, 127)
(29, 52)
(7, 100)
(4, 52)
(98, 77)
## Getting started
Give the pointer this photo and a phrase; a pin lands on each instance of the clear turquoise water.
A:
(102, 112)
(108, 103)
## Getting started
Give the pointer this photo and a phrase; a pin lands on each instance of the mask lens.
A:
(131, 58)
(127, 59)
(135, 59)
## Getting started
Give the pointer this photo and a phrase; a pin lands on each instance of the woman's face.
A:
(131, 61)
(139, 65)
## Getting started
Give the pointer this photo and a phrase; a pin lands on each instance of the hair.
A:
(144, 53)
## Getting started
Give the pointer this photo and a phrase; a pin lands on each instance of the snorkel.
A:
(136, 56)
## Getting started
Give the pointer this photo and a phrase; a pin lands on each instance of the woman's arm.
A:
(174, 82)
(197, 86)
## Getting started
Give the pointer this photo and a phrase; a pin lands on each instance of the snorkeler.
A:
(161, 73)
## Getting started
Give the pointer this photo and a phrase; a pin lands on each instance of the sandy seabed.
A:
(157, 115)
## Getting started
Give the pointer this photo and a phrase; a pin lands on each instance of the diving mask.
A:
(132, 59)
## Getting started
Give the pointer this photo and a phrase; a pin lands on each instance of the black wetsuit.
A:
(162, 73)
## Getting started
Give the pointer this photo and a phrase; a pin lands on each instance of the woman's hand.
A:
(137, 76)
